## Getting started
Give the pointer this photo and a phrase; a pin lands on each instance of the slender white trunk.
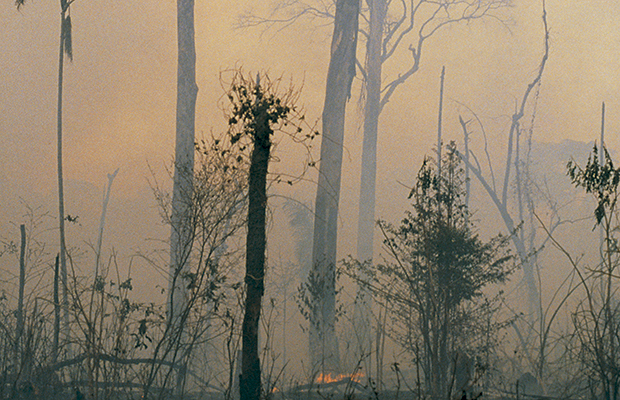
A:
(61, 195)
(181, 236)
(368, 179)
(324, 351)
(187, 91)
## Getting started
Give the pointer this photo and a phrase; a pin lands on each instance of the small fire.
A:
(331, 378)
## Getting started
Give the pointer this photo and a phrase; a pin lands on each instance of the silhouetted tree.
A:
(66, 49)
(256, 112)
(433, 280)
(597, 318)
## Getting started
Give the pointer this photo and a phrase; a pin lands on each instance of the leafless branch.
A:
(391, 87)
(516, 117)
(392, 27)
(288, 12)
(486, 145)
(443, 13)
(387, 52)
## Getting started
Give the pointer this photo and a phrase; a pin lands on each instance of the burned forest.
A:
(310, 199)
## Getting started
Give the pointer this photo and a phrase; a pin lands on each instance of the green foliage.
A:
(434, 277)
(599, 179)
(254, 109)
(444, 256)
(597, 318)
(259, 108)
(315, 288)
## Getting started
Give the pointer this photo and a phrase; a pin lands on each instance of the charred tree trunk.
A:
(20, 299)
(250, 380)
(323, 342)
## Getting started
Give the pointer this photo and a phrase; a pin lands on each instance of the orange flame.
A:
(331, 378)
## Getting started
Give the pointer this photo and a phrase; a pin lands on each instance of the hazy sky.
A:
(120, 96)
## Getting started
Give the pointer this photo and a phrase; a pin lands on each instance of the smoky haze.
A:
(119, 112)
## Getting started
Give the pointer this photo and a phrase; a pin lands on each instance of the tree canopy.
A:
(434, 275)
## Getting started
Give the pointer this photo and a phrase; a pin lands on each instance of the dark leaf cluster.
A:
(600, 178)
(435, 273)
(256, 110)
(439, 251)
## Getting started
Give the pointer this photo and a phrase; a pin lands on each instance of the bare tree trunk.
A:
(466, 157)
(20, 299)
(61, 196)
(181, 238)
(93, 342)
(378, 9)
(323, 342)
(440, 120)
(366, 216)
(104, 210)
(250, 381)
(56, 339)
(187, 91)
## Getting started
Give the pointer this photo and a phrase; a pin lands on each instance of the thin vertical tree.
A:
(20, 300)
(187, 92)
(181, 240)
(65, 49)
(525, 248)
(323, 342)
(255, 115)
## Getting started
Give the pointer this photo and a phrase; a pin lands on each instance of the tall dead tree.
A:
(187, 91)
(411, 24)
(323, 342)
(372, 109)
(180, 218)
(256, 111)
(65, 49)
(500, 195)
(391, 26)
